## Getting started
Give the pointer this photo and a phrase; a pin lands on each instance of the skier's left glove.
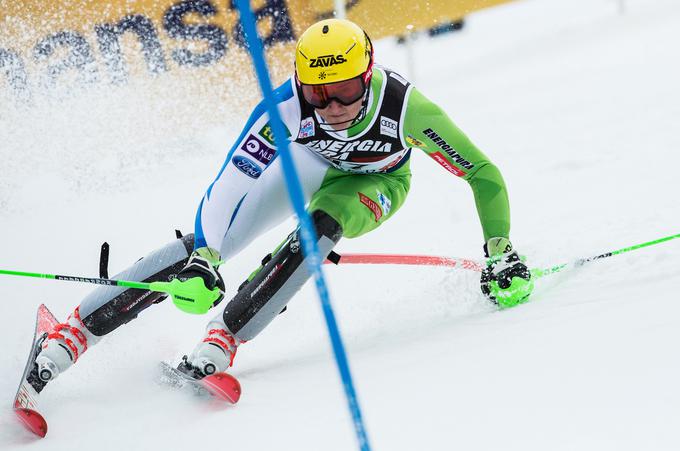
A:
(506, 280)
(201, 286)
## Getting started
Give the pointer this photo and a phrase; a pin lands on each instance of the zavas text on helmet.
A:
(327, 61)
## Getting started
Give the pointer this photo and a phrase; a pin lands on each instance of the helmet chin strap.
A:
(328, 126)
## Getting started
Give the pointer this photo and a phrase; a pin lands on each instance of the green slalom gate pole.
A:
(188, 297)
(542, 272)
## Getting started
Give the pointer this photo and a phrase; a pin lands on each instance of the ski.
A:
(221, 386)
(26, 400)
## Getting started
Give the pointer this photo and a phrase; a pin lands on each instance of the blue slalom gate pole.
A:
(307, 232)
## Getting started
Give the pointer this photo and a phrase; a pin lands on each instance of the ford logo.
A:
(247, 166)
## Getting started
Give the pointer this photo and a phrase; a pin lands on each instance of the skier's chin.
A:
(339, 122)
(340, 117)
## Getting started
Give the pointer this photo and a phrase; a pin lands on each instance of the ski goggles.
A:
(344, 92)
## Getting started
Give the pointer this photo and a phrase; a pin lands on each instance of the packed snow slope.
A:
(578, 105)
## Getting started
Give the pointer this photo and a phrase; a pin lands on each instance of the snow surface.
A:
(577, 104)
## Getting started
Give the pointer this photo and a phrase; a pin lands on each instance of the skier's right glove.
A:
(200, 278)
(506, 280)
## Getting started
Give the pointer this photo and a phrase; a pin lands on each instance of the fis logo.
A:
(306, 128)
(327, 61)
(385, 203)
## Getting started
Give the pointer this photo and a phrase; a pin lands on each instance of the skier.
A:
(352, 126)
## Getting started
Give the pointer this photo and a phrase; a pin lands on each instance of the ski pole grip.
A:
(189, 296)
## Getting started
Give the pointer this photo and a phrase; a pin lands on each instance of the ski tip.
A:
(223, 386)
(43, 310)
(46, 320)
(32, 420)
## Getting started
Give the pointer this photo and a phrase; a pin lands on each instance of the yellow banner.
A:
(73, 41)
(382, 18)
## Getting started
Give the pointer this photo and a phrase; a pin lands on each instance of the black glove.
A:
(506, 280)
(198, 266)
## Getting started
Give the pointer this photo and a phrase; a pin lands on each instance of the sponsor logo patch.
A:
(375, 208)
(327, 61)
(259, 150)
(388, 127)
(447, 148)
(306, 128)
(340, 150)
(392, 163)
(439, 158)
(385, 203)
(295, 243)
(247, 166)
(267, 134)
(269, 276)
(136, 302)
(399, 78)
(414, 142)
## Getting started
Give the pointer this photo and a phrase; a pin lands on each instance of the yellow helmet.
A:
(333, 50)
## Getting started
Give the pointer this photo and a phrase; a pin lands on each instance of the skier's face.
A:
(339, 115)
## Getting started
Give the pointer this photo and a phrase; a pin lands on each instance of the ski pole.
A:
(542, 272)
(188, 296)
(93, 280)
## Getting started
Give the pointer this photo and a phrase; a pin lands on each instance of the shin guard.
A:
(266, 293)
(107, 308)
